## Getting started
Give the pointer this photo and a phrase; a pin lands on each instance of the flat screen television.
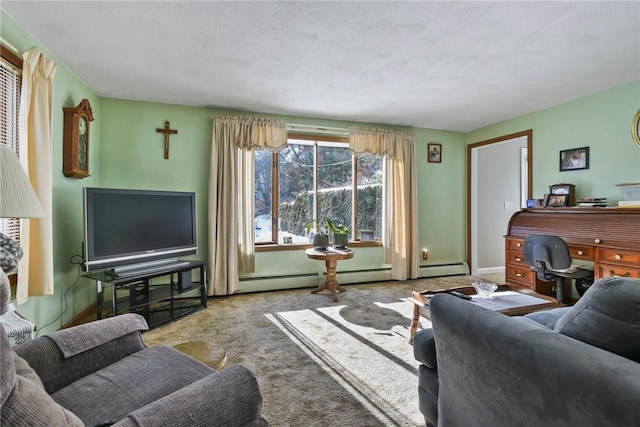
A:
(124, 229)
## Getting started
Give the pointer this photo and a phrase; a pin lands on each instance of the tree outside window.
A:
(316, 178)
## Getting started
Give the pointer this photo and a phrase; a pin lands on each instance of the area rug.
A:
(319, 362)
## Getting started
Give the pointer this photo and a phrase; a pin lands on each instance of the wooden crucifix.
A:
(167, 132)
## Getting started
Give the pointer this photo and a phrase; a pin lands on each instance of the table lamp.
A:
(17, 200)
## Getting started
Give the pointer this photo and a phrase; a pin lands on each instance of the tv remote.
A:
(460, 295)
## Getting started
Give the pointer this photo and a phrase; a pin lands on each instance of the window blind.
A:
(10, 84)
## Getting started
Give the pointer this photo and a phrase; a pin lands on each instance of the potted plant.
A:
(320, 238)
(340, 234)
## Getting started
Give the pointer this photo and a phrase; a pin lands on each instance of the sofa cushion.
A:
(23, 370)
(424, 348)
(230, 397)
(428, 394)
(547, 318)
(112, 393)
(94, 334)
(607, 316)
(23, 398)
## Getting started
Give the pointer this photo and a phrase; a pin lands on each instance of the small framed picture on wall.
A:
(574, 159)
(434, 153)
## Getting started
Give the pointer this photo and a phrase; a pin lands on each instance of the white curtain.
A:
(231, 195)
(35, 275)
(401, 222)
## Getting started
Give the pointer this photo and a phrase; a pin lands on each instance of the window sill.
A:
(276, 247)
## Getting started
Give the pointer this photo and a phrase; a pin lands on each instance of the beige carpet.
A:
(320, 363)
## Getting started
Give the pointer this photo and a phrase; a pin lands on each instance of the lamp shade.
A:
(17, 198)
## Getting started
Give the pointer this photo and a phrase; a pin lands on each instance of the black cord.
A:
(76, 260)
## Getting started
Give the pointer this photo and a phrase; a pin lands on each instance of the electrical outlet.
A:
(425, 254)
(508, 205)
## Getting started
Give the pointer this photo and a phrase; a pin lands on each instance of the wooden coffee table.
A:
(508, 299)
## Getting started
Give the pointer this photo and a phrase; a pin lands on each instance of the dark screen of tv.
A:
(134, 226)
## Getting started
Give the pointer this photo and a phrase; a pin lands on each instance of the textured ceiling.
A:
(443, 65)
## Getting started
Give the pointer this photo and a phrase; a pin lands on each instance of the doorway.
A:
(499, 181)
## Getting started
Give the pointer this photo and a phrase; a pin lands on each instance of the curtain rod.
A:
(317, 129)
(10, 46)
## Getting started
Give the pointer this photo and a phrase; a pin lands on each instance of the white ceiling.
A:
(442, 65)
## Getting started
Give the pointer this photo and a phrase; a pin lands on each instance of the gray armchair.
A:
(103, 374)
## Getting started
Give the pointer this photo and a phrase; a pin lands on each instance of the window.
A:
(10, 83)
(316, 178)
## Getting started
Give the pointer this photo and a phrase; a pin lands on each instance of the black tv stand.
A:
(159, 295)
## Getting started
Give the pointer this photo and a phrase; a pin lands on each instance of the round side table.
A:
(330, 258)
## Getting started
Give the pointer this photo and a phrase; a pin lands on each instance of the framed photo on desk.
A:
(557, 200)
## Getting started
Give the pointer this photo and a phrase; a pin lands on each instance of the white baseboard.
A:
(491, 270)
(443, 270)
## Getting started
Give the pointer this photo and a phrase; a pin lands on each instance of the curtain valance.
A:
(378, 141)
(252, 133)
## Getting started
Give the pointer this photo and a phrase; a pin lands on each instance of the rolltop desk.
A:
(608, 237)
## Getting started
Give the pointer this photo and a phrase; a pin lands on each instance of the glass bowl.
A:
(484, 289)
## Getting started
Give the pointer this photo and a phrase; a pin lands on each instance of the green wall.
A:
(131, 156)
(67, 196)
(127, 152)
(601, 122)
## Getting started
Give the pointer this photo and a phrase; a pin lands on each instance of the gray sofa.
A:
(575, 366)
(101, 373)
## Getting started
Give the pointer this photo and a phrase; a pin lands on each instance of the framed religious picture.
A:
(434, 153)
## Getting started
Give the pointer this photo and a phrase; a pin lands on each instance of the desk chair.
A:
(549, 257)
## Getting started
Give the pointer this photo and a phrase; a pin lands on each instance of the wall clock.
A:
(635, 128)
(75, 163)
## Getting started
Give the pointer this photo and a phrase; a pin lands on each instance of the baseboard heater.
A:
(382, 274)
(307, 280)
(363, 276)
(275, 282)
